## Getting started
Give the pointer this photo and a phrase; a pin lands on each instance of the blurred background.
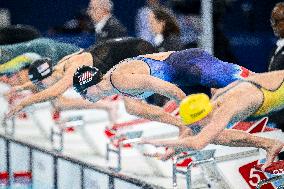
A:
(241, 27)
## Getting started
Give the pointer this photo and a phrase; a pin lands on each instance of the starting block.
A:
(61, 127)
(193, 158)
(117, 143)
(277, 169)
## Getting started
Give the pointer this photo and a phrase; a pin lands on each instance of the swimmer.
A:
(255, 97)
(166, 73)
(15, 59)
(153, 73)
(56, 80)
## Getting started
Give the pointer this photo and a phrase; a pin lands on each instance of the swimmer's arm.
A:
(48, 94)
(70, 55)
(19, 88)
(153, 113)
(64, 103)
(26, 86)
(220, 118)
(152, 84)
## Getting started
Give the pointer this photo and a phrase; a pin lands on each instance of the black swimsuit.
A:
(109, 53)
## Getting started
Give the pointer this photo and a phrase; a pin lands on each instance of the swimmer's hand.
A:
(13, 111)
(10, 94)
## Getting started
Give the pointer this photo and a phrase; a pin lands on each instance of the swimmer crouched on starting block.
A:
(152, 73)
(53, 81)
(254, 97)
(21, 60)
(15, 59)
(138, 77)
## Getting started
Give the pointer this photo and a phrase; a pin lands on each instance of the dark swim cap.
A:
(85, 77)
(40, 69)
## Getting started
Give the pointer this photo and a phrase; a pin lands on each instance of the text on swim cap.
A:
(197, 114)
(85, 78)
(43, 67)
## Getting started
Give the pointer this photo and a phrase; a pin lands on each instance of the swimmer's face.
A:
(277, 20)
(156, 26)
(93, 93)
(98, 9)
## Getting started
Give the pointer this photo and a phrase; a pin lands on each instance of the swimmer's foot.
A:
(272, 153)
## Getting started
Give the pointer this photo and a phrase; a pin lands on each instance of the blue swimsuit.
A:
(194, 70)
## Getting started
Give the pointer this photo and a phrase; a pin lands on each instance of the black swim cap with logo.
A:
(40, 69)
(85, 77)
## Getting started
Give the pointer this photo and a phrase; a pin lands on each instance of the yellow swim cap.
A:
(194, 108)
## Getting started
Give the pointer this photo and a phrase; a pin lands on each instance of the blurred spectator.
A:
(106, 26)
(5, 18)
(167, 38)
(17, 34)
(277, 23)
(142, 25)
(189, 15)
(277, 59)
(165, 28)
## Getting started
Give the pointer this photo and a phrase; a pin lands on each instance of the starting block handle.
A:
(73, 118)
(131, 141)
(130, 135)
(57, 147)
(118, 154)
(190, 154)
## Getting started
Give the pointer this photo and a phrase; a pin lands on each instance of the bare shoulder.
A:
(159, 56)
(268, 80)
(130, 66)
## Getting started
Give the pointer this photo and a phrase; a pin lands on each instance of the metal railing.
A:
(113, 178)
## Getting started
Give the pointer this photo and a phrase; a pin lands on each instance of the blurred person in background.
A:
(167, 38)
(106, 25)
(189, 16)
(277, 59)
(165, 28)
(142, 25)
(277, 24)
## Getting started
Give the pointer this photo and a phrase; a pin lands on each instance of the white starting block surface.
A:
(88, 144)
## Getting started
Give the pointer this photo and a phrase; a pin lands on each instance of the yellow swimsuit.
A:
(273, 100)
